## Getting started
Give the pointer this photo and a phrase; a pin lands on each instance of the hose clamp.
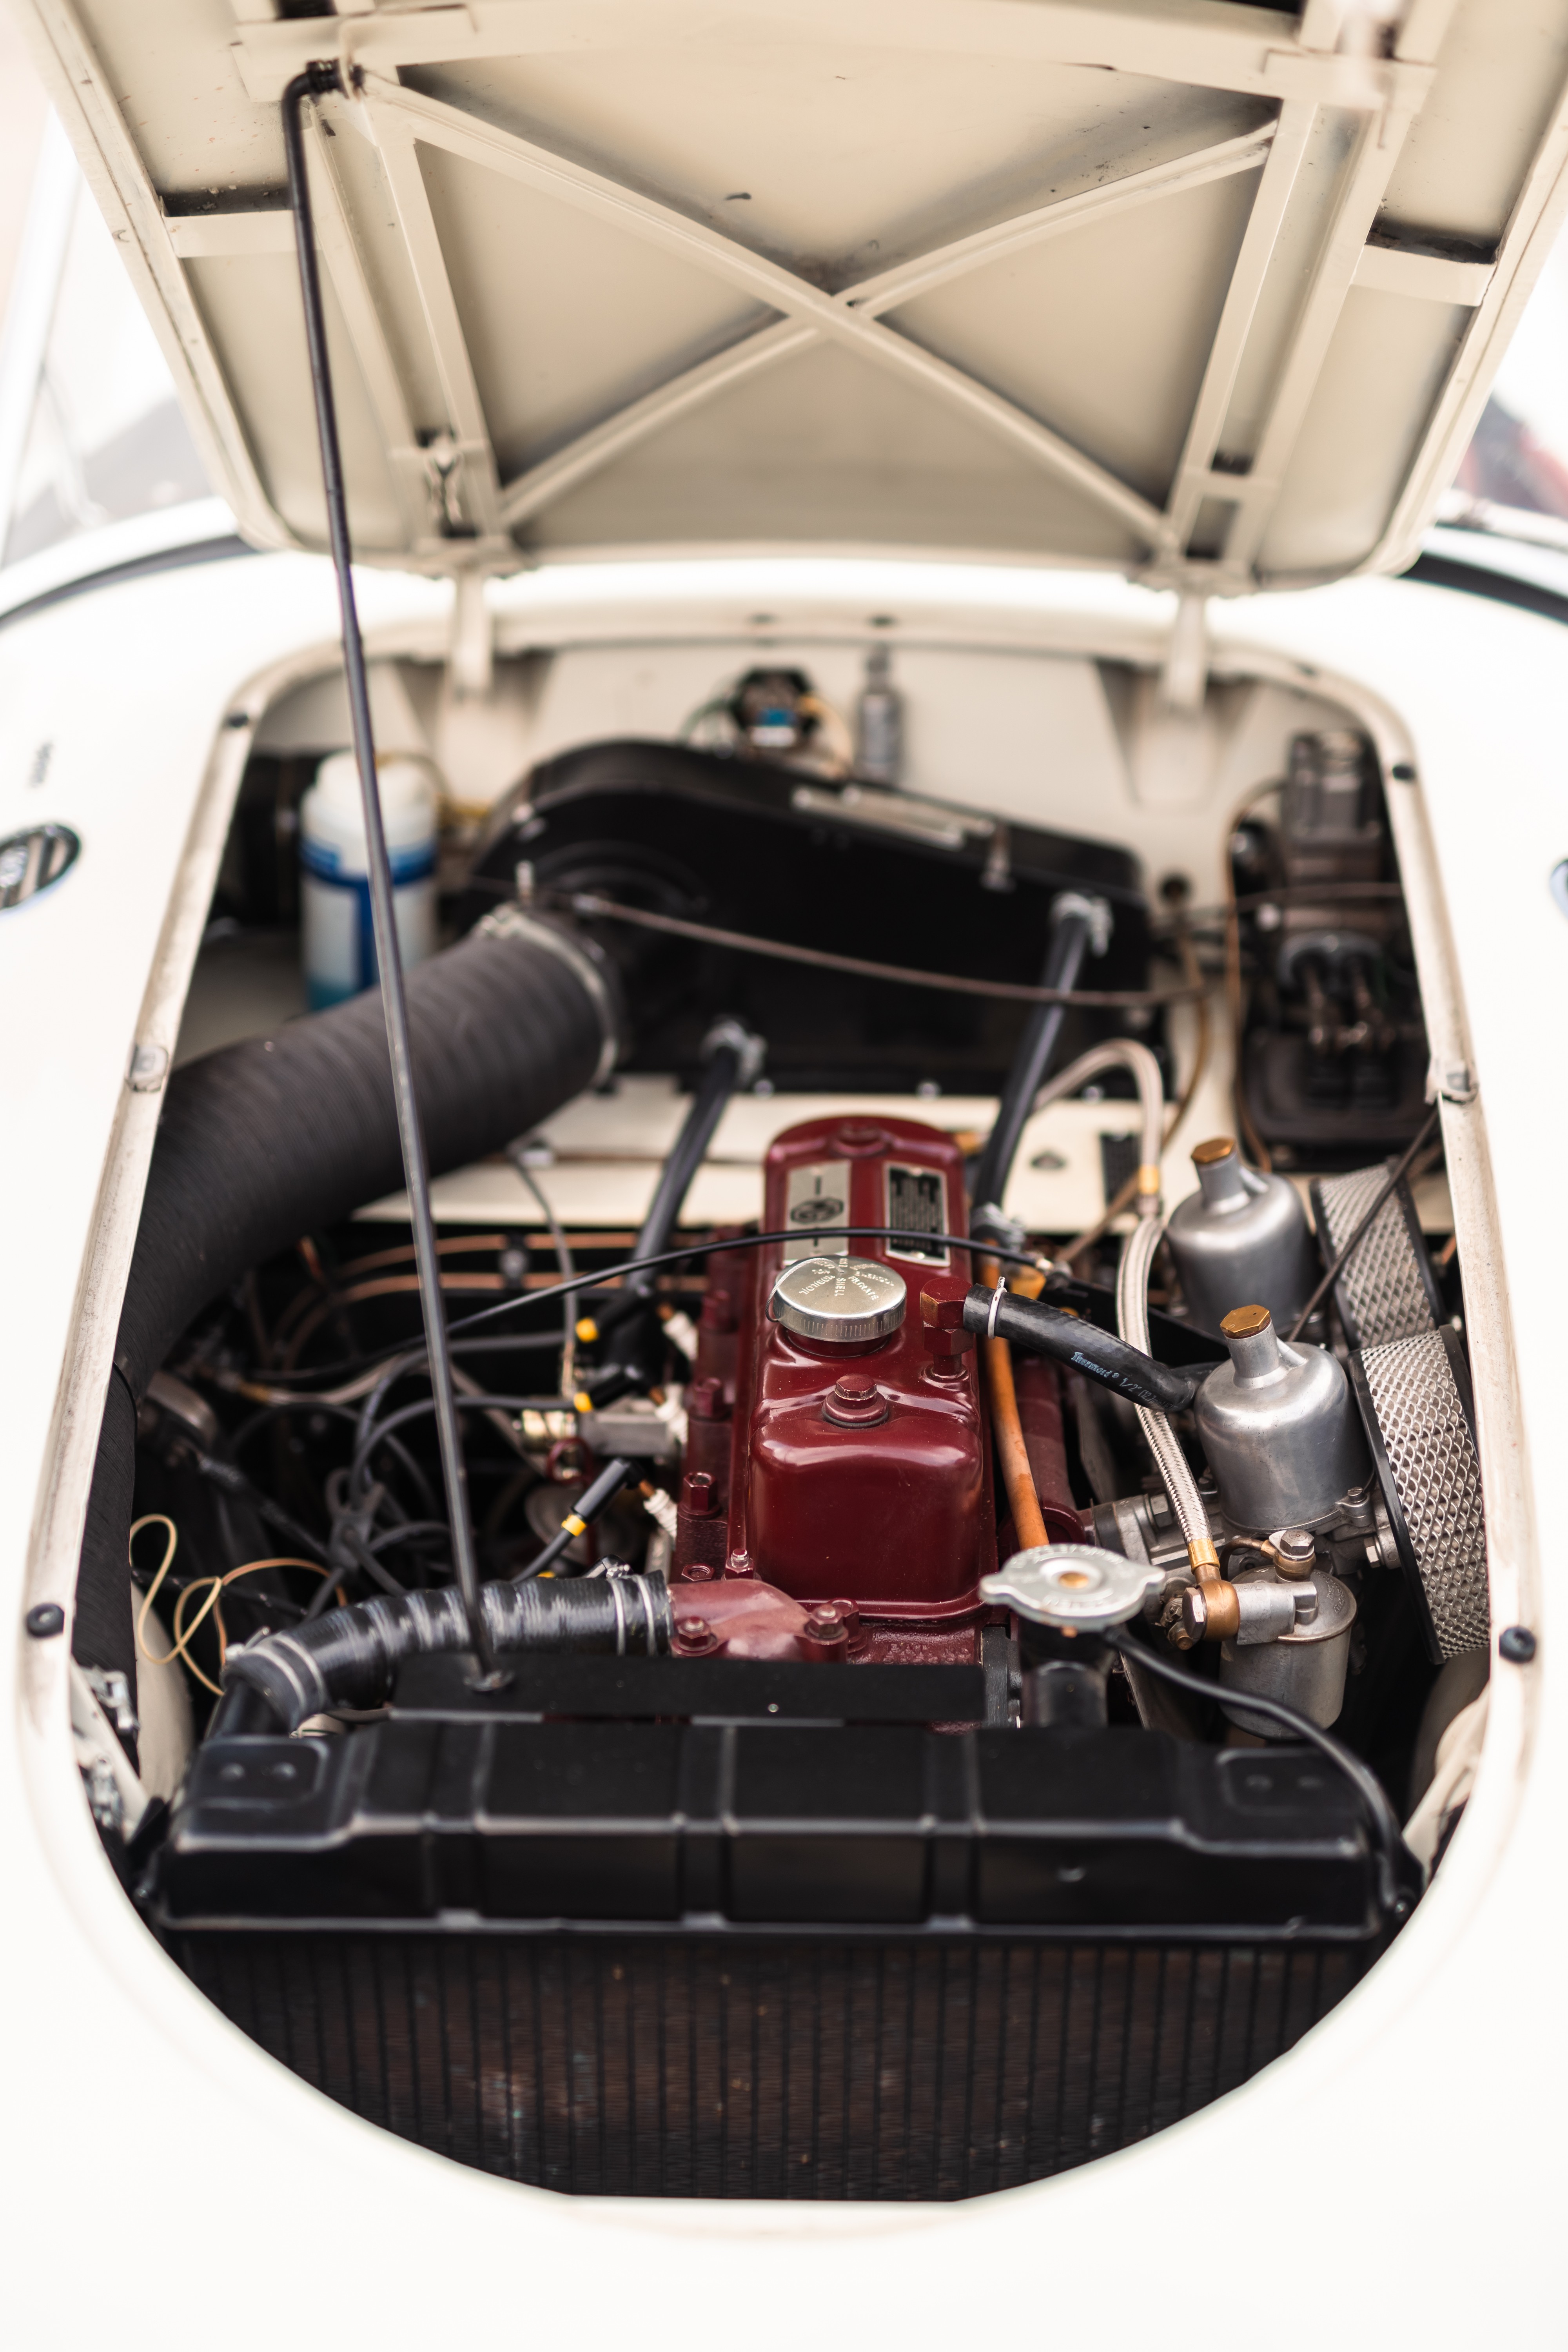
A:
(997, 1296)
(511, 923)
(750, 1050)
(1094, 914)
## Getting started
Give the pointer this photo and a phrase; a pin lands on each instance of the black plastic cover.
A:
(749, 846)
(469, 1809)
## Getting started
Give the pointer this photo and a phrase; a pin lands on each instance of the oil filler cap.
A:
(842, 1301)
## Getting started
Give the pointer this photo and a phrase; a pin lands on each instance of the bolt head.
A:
(697, 1494)
(1517, 1644)
(705, 1398)
(46, 1620)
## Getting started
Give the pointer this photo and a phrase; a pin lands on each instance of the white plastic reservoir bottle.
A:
(337, 942)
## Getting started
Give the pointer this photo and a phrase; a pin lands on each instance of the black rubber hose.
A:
(348, 1656)
(1049, 1331)
(1071, 923)
(734, 1058)
(266, 1140)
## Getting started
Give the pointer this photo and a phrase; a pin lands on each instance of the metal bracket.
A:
(1452, 1082)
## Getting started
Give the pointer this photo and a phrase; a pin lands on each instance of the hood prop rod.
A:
(317, 82)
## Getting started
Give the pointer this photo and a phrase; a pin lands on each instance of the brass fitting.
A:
(1203, 1558)
(1211, 1611)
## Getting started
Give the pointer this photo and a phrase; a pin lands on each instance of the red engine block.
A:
(867, 1518)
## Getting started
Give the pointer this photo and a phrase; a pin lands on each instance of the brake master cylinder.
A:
(1280, 1427)
(1240, 1237)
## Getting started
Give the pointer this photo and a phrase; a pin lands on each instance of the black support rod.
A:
(317, 82)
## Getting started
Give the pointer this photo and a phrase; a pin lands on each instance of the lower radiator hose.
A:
(347, 1657)
(280, 1136)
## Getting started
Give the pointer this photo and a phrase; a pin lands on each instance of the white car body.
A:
(1393, 2179)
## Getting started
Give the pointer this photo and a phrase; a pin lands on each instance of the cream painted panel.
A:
(828, 449)
(1384, 369)
(1102, 332)
(838, 158)
(567, 321)
(1499, 72)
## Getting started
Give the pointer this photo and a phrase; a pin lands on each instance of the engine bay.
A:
(957, 1675)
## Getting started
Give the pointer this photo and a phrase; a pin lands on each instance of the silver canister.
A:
(1280, 1427)
(1304, 1669)
(1240, 1238)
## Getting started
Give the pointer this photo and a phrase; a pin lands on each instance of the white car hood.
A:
(1204, 293)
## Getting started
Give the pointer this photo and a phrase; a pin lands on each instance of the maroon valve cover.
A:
(863, 1474)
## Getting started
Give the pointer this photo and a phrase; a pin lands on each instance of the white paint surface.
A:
(1395, 2182)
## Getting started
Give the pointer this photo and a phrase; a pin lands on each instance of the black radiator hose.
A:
(348, 1658)
(276, 1137)
(1051, 1331)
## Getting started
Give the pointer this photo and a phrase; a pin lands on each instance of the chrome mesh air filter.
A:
(1387, 1291)
(1415, 1396)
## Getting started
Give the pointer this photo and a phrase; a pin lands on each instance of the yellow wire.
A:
(218, 1584)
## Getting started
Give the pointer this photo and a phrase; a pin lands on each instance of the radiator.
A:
(679, 2066)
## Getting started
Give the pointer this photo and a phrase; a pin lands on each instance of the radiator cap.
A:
(1075, 1587)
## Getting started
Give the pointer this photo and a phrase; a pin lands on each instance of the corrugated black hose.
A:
(347, 1658)
(280, 1136)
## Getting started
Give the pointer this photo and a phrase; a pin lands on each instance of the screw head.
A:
(46, 1620)
(1517, 1644)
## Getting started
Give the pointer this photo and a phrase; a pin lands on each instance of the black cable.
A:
(315, 82)
(562, 1247)
(749, 1241)
(1398, 1870)
(336, 1412)
(1365, 1225)
(590, 1503)
(583, 902)
(461, 1346)
(409, 1531)
(230, 1480)
(373, 1437)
